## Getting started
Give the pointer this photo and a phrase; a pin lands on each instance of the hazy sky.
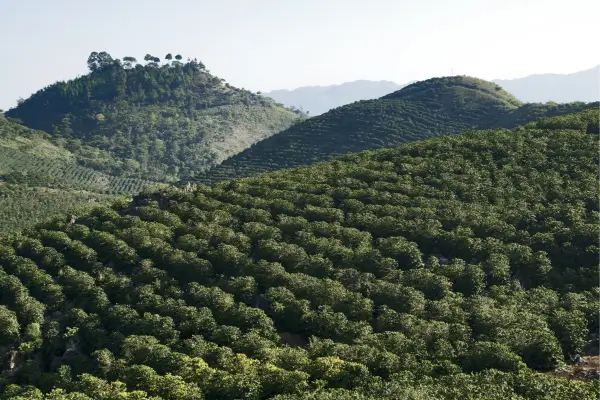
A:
(283, 44)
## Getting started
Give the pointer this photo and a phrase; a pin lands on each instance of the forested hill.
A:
(431, 108)
(160, 121)
(461, 267)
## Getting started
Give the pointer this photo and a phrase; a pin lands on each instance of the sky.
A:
(262, 45)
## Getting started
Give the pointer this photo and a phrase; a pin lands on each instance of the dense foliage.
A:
(426, 109)
(452, 268)
(156, 121)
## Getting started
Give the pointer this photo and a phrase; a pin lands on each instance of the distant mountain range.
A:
(317, 100)
(560, 88)
(539, 88)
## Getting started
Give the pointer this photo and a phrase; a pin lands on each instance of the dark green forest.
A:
(426, 109)
(126, 126)
(160, 120)
(460, 267)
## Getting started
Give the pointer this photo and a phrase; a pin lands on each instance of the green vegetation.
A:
(156, 121)
(39, 179)
(452, 268)
(28, 157)
(431, 108)
(125, 126)
(23, 206)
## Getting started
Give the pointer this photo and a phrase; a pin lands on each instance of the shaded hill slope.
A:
(316, 100)
(560, 88)
(431, 108)
(157, 121)
(450, 268)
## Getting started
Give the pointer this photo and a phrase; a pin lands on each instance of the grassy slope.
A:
(397, 273)
(159, 122)
(431, 108)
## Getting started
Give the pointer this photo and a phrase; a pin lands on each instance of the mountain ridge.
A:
(430, 108)
(332, 96)
(560, 88)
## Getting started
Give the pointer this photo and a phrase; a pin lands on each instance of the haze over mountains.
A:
(319, 99)
(560, 88)
(540, 88)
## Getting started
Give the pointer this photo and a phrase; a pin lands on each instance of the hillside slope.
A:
(451, 268)
(316, 100)
(30, 157)
(431, 108)
(157, 121)
(560, 88)
(39, 179)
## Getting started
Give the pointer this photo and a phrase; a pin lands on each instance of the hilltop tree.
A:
(178, 57)
(152, 61)
(92, 61)
(129, 61)
(169, 57)
(97, 61)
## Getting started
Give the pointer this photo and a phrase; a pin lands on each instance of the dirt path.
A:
(588, 369)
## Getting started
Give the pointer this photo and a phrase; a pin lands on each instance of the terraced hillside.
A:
(23, 206)
(29, 157)
(158, 121)
(453, 268)
(39, 179)
(431, 108)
